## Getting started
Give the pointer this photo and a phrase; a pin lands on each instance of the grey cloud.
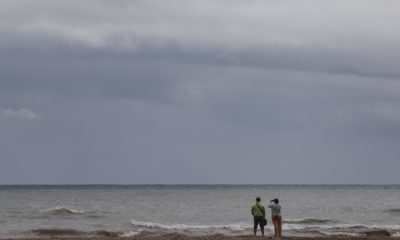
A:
(314, 36)
(90, 79)
(21, 113)
(202, 24)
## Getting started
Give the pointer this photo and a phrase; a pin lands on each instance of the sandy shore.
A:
(214, 237)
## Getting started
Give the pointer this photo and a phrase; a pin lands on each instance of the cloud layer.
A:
(199, 91)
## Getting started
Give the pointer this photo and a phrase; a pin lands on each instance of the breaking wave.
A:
(63, 211)
(301, 227)
(67, 212)
(108, 233)
(238, 226)
(151, 229)
(310, 221)
(158, 229)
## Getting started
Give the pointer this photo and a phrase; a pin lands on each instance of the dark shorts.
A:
(258, 220)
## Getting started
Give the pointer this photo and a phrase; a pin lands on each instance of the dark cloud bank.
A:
(139, 92)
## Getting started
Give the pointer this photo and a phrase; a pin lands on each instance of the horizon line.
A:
(205, 184)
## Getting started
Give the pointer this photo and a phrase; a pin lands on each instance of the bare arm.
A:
(252, 212)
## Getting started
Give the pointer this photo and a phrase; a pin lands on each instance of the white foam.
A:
(235, 227)
(129, 234)
(339, 234)
(336, 229)
(396, 234)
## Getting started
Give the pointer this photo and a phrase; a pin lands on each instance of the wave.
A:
(300, 232)
(68, 212)
(56, 231)
(63, 211)
(310, 221)
(15, 211)
(108, 233)
(336, 232)
(348, 230)
(129, 234)
(393, 210)
(152, 229)
(74, 232)
(238, 226)
(301, 227)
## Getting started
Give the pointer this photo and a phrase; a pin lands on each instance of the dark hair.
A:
(276, 201)
(258, 199)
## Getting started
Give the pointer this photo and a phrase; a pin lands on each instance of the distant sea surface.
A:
(194, 210)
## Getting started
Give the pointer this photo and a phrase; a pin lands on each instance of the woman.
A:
(276, 217)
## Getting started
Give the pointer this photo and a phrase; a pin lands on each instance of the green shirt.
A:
(257, 210)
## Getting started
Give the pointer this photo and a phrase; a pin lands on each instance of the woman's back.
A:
(275, 209)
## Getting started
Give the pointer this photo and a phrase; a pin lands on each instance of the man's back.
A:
(258, 209)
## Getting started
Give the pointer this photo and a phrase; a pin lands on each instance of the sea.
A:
(194, 210)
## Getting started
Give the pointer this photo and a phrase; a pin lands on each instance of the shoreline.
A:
(210, 237)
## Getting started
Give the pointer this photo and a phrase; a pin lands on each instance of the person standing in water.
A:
(276, 216)
(258, 212)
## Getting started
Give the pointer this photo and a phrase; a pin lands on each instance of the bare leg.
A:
(280, 226)
(255, 232)
(276, 229)
(262, 232)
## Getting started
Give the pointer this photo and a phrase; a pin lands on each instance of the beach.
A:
(215, 237)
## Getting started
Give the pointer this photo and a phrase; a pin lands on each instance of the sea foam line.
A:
(338, 227)
(237, 226)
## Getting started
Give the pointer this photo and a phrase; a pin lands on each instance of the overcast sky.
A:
(199, 91)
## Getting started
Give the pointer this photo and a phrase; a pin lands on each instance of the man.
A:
(258, 212)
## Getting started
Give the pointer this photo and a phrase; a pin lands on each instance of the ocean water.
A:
(156, 210)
